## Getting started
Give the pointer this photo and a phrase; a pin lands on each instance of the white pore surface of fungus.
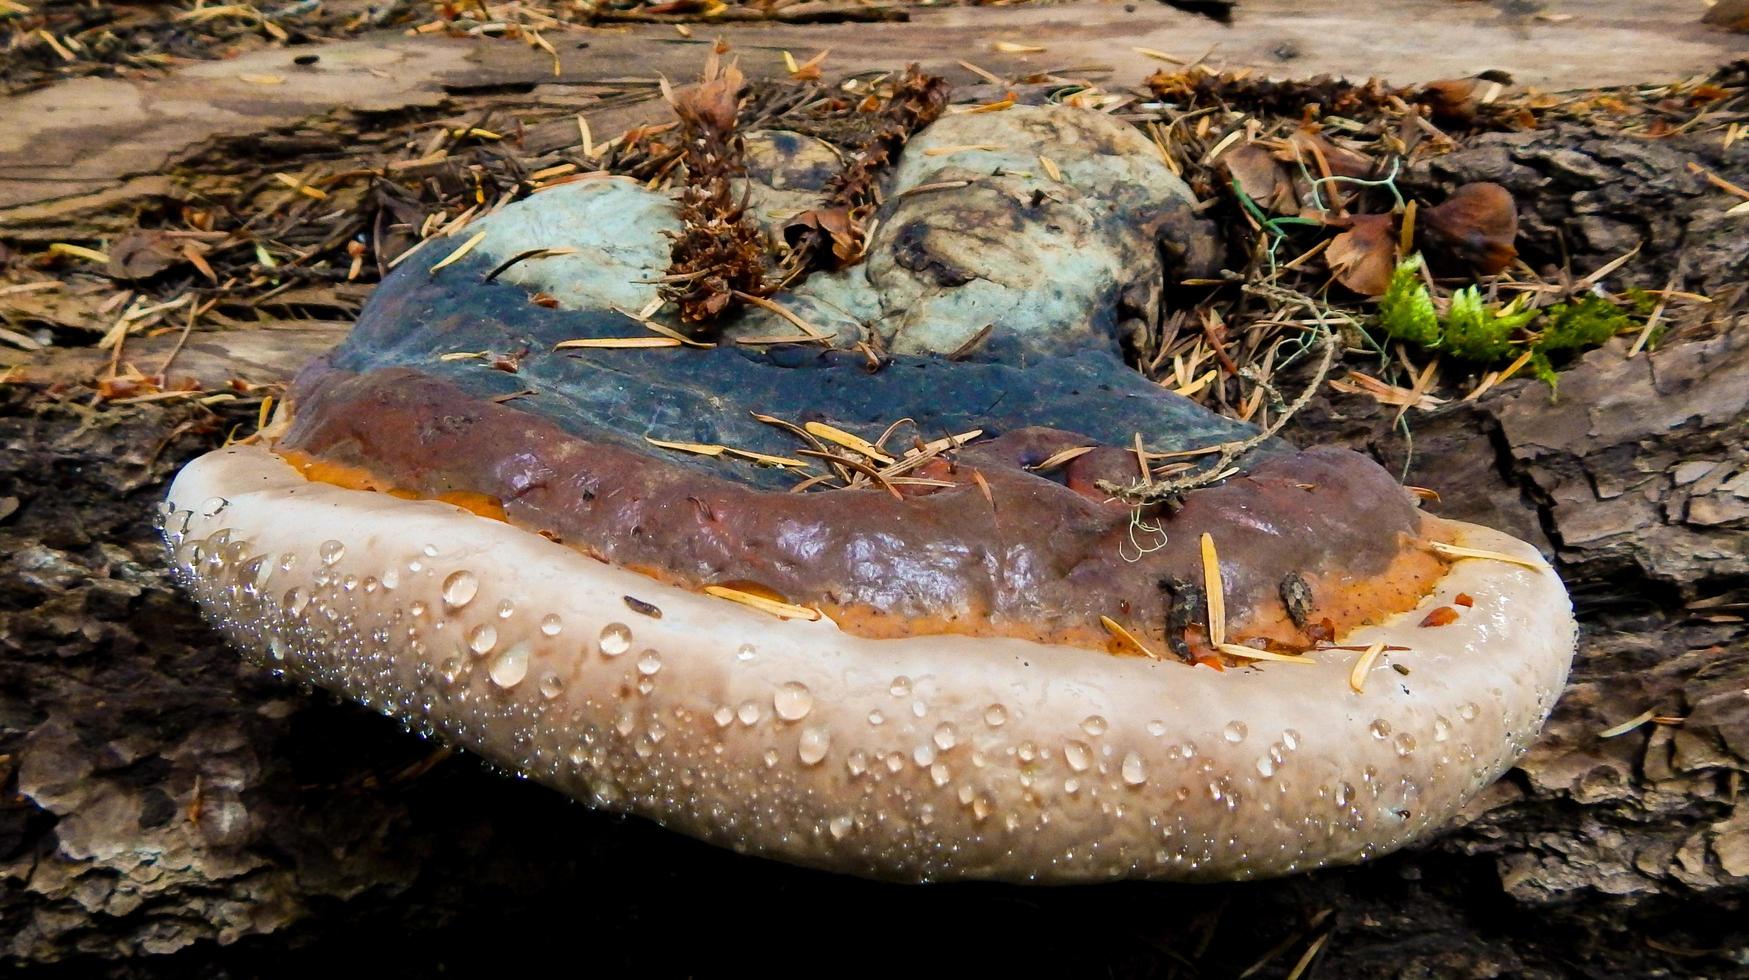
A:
(932, 757)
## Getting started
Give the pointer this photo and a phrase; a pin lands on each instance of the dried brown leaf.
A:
(1306, 145)
(834, 225)
(1363, 257)
(1732, 15)
(1451, 99)
(141, 254)
(1477, 225)
(1260, 177)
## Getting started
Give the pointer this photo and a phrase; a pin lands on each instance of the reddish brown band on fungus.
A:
(1044, 562)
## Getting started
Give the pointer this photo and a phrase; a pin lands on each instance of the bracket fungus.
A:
(857, 600)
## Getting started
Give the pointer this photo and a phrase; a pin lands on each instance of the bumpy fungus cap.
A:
(974, 666)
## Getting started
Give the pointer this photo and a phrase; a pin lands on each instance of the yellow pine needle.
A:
(616, 343)
(782, 610)
(79, 252)
(850, 441)
(644, 320)
(301, 187)
(1157, 55)
(697, 448)
(1456, 551)
(1188, 390)
(1627, 726)
(456, 256)
(1252, 653)
(1057, 459)
(1363, 664)
(942, 151)
(951, 442)
(1116, 629)
(1216, 594)
(765, 458)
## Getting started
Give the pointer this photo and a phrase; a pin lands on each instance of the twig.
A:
(1141, 493)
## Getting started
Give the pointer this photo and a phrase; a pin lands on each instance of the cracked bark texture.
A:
(166, 810)
(1586, 198)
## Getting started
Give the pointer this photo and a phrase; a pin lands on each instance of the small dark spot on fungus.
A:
(643, 608)
(1296, 595)
(1186, 606)
(1463, 599)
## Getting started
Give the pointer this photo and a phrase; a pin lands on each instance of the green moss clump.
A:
(1576, 326)
(1470, 331)
(1406, 309)
(1587, 323)
(1476, 333)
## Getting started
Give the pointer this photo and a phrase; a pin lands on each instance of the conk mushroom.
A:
(875, 609)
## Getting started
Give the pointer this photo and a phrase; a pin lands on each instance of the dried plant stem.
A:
(1142, 492)
(719, 252)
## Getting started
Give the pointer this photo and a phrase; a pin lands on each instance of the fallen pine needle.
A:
(521, 257)
(1189, 390)
(1116, 629)
(943, 445)
(1628, 726)
(1604, 271)
(1645, 333)
(1717, 181)
(993, 80)
(696, 448)
(765, 458)
(984, 488)
(663, 329)
(78, 252)
(1496, 377)
(1057, 459)
(464, 249)
(1456, 551)
(1252, 653)
(942, 151)
(315, 193)
(613, 343)
(1217, 596)
(1157, 55)
(997, 106)
(782, 610)
(850, 441)
(813, 332)
(1363, 664)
